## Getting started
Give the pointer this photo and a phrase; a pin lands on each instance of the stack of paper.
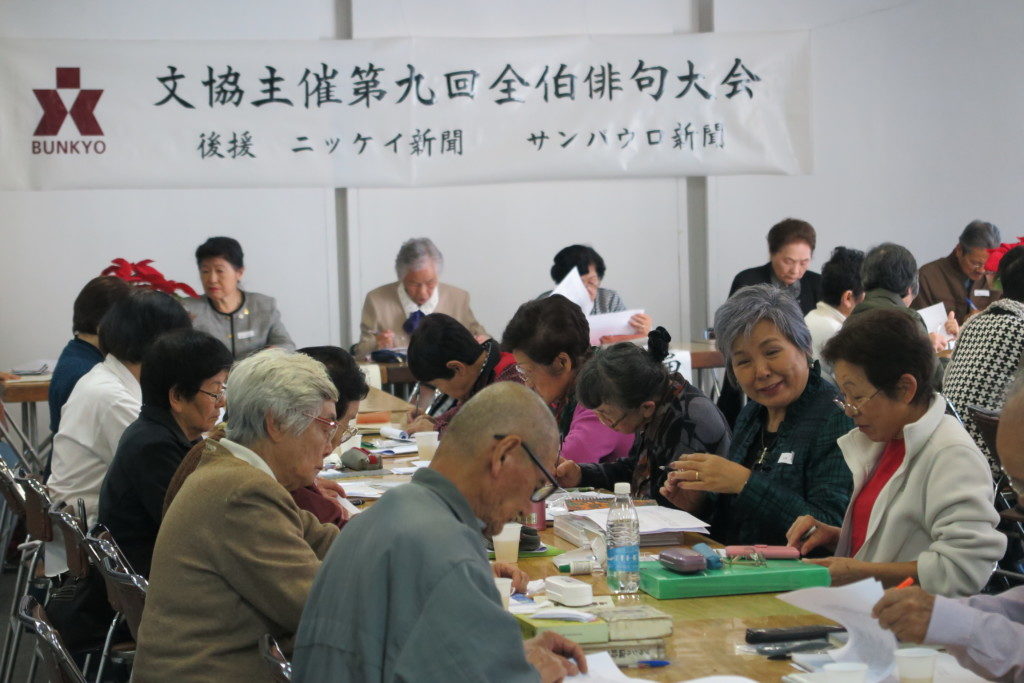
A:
(654, 519)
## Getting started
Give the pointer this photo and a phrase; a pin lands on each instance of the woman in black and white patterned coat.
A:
(990, 350)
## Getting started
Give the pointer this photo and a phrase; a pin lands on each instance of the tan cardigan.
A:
(235, 558)
(382, 311)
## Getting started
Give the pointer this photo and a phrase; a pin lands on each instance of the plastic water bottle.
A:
(623, 540)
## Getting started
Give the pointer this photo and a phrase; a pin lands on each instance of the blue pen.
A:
(971, 304)
(652, 663)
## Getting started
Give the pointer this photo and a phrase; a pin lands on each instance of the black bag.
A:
(80, 611)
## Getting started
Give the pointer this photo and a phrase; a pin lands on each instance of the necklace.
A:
(766, 445)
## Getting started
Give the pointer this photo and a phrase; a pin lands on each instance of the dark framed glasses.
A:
(544, 490)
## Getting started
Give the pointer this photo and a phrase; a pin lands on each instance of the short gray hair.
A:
(287, 386)
(738, 316)
(414, 253)
(979, 235)
(889, 266)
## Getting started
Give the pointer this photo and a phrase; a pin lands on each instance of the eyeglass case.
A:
(682, 560)
(769, 552)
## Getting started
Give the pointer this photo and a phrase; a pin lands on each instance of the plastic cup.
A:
(426, 444)
(504, 589)
(506, 543)
(915, 664)
(845, 672)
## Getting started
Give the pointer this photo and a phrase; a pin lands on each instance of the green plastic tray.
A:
(778, 576)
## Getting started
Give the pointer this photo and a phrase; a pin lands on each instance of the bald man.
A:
(984, 632)
(409, 595)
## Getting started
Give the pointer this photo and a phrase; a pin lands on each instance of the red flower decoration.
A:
(996, 255)
(142, 274)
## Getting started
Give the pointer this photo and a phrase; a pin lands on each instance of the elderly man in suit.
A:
(960, 280)
(392, 312)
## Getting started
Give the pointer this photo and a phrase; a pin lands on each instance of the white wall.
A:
(916, 115)
(53, 242)
(499, 240)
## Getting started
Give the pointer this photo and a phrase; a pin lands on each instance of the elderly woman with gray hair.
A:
(235, 556)
(392, 312)
(783, 459)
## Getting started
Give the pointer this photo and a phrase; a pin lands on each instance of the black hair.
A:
(841, 273)
(890, 267)
(1011, 273)
(344, 372)
(578, 256)
(181, 360)
(133, 323)
(438, 340)
(791, 230)
(886, 344)
(543, 328)
(95, 299)
(226, 248)
(624, 374)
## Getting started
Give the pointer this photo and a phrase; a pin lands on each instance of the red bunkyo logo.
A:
(54, 111)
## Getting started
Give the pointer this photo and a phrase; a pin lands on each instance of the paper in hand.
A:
(573, 289)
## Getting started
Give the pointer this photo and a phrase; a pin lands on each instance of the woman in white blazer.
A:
(922, 504)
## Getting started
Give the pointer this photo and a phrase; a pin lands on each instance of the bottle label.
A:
(624, 559)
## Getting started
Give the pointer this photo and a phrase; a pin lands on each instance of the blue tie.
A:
(413, 321)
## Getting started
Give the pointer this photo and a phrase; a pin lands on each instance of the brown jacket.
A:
(235, 558)
(942, 280)
(382, 311)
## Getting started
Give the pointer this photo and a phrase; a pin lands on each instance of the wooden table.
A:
(28, 393)
(379, 401)
(706, 630)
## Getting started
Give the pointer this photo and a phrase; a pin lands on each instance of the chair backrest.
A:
(11, 490)
(101, 549)
(61, 668)
(37, 509)
(987, 422)
(278, 665)
(72, 530)
(127, 592)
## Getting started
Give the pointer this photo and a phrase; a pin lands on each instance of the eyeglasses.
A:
(334, 426)
(852, 409)
(220, 396)
(612, 425)
(544, 490)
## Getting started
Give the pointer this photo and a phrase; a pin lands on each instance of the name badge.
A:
(248, 334)
(981, 292)
(785, 458)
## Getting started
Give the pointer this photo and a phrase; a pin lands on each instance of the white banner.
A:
(411, 111)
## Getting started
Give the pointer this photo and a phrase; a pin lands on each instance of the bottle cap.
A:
(621, 488)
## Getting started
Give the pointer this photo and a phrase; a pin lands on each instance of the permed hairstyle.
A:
(841, 273)
(181, 360)
(886, 344)
(791, 230)
(625, 375)
(738, 316)
(578, 256)
(414, 254)
(543, 328)
(285, 386)
(226, 248)
(133, 323)
(95, 299)
(438, 340)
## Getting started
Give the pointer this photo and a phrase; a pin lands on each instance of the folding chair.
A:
(14, 499)
(113, 566)
(29, 456)
(40, 531)
(277, 664)
(60, 667)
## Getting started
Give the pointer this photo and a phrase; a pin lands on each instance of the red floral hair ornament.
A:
(142, 274)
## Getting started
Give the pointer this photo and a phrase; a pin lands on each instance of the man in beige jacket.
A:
(392, 312)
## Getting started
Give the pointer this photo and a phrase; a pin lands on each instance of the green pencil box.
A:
(737, 579)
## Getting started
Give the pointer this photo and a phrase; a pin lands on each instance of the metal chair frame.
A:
(55, 656)
(279, 666)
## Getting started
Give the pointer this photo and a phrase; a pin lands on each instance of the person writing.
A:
(922, 503)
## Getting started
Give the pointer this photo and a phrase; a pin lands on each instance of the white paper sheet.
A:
(935, 317)
(361, 490)
(680, 361)
(401, 449)
(653, 519)
(601, 667)
(573, 289)
(604, 324)
(851, 606)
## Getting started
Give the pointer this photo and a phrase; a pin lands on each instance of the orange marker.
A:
(906, 583)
